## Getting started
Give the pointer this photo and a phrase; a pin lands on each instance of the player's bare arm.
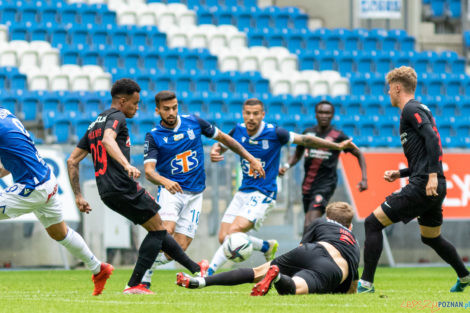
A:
(157, 179)
(391, 175)
(362, 164)
(293, 160)
(217, 152)
(233, 145)
(316, 142)
(3, 172)
(73, 168)
(112, 148)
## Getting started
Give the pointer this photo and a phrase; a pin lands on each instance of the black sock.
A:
(148, 251)
(285, 285)
(373, 246)
(448, 253)
(174, 250)
(235, 277)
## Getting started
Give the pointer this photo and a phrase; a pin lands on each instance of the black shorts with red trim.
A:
(318, 200)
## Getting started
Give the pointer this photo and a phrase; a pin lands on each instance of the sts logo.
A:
(184, 162)
(246, 169)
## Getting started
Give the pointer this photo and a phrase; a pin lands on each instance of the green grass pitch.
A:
(397, 290)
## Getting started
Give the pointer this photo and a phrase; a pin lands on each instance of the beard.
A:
(170, 123)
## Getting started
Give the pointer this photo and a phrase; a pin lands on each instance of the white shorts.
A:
(182, 208)
(43, 201)
(254, 206)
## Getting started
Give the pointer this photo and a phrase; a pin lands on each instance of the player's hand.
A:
(82, 204)
(132, 171)
(257, 169)
(362, 185)
(282, 171)
(347, 144)
(172, 186)
(215, 154)
(431, 187)
(391, 176)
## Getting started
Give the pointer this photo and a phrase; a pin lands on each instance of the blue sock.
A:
(265, 246)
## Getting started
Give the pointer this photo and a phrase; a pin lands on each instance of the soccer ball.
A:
(238, 247)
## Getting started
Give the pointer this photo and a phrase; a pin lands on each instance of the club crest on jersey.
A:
(184, 162)
(165, 139)
(128, 141)
(265, 144)
(191, 134)
(178, 137)
(243, 139)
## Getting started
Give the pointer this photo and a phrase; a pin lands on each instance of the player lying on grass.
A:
(325, 262)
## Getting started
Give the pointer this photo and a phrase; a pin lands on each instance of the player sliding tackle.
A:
(255, 198)
(325, 262)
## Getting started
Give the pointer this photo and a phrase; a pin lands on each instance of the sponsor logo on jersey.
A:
(318, 198)
(425, 107)
(184, 162)
(265, 144)
(146, 148)
(318, 154)
(252, 142)
(178, 137)
(128, 141)
(403, 138)
(246, 169)
(191, 134)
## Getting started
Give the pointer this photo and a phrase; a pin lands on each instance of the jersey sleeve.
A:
(150, 149)
(116, 121)
(83, 143)
(284, 135)
(207, 129)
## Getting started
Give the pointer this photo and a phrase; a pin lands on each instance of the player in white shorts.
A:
(255, 197)
(174, 160)
(35, 191)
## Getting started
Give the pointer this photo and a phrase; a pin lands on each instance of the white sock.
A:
(465, 279)
(147, 278)
(366, 284)
(256, 242)
(79, 249)
(202, 282)
(218, 259)
(161, 260)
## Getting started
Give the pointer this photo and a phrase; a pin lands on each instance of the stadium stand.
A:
(213, 54)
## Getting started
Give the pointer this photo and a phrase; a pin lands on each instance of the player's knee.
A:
(432, 242)
(372, 223)
(222, 235)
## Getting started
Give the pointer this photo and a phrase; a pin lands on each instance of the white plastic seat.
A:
(339, 87)
(320, 87)
(92, 70)
(80, 82)
(176, 7)
(38, 81)
(157, 7)
(147, 18)
(229, 61)
(177, 38)
(19, 45)
(40, 45)
(96, 1)
(280, 84)
(8, 57)
(288, 63)
(59, 81)
(300, 85)
(29, 58)
(116, 5)
(186, 19)
(126, 16)
(310, 75)
(217, 40)
(198, 38)
(249, 62)
(165, 18)
(236, 40)
(50, 58)
(70, 69)
(269, 64)
(330, 76)
(101, 82)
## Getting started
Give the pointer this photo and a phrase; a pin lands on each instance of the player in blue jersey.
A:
(35, 191)
(255, 198)
(174, 160)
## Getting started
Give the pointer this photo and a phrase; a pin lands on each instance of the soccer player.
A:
(255, 198)
(35, 190)
(174, 159)
(325, 262)
(107, 139)
(320, 165)
(424, 194)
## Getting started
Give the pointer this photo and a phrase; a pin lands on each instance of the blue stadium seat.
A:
(222, 83)
(81, 126)
(171, 60)
(458, 66)
(209, 62)
(62, 130)
(262, 19)
(205, 17)
(300, 20)
(183, 82)
(79, 36)
(119, 36)
(144, 81)
(242, 19)
(202, 83)
(402, 59)
(163, 82)
(92, 103)
(9, 103)
(216, 104)
(108, 17)
(111, 60)
(19, 32)
(359, 86)
(58, 38)
(18, 81)
(345, 63)
(139, 36)
(371, 42)
(190, 60)
(29, 15)
(438, 9)
(151, 60)
(261, 85)
(70, 56)
(454, 86)
(449, 109)
(275, 39)
(377, 85)
(455, 8)
(39, 33)
(422, 61)
(275, 105)
(313, 41)
(326, 61)
(434, 86)
(333, 40)
(407, 43)
(256, 38)
(88, 15)
(351, 41)
(49, 15)
(294, 42)
(157, 38)
(224, 17)
(195, 105)
(132, 59)
(365, 64)
(383, 62)
(51, 102)
(9, 14)
(68, 15)
(281, 19)
(29, 107)
(99, 38)
(91, 58)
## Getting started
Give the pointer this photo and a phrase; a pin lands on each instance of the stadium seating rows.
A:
(440, 9)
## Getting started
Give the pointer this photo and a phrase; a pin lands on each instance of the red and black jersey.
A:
(320, 163)
(341, 238)
(111, 178)
(420, 140)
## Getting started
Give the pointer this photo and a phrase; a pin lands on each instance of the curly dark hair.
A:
(124, 86)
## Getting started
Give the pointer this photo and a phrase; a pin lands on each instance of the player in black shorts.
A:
(320, 164)
(107, 140)
(325, 262)
(424, 194)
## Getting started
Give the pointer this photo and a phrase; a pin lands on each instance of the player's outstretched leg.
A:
(262, 287)
(268, 247)
(230, 278)
(101, 278)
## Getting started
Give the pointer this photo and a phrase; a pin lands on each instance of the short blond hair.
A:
(404, 75)
(340, 212)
